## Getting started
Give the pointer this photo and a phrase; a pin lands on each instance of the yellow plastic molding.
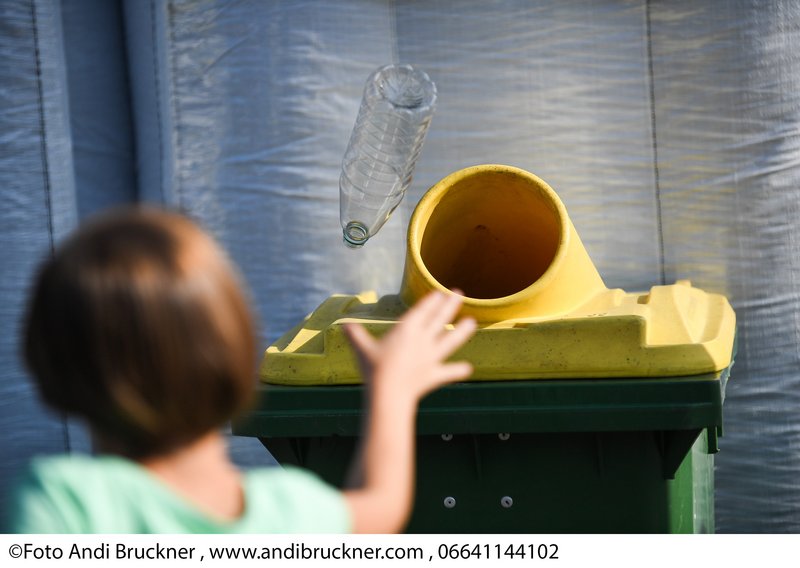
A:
(502, 236)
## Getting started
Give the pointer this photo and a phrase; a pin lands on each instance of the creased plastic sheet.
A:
(99, 97)
(560, 89)
(727, 109)
(36, 209)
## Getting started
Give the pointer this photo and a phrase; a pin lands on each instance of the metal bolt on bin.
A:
(590, 409)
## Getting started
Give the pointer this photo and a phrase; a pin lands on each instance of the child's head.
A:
(138, 325)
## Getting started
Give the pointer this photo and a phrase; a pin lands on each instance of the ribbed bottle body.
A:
(393, 119)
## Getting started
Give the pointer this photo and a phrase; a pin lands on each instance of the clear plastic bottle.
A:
(395, 113)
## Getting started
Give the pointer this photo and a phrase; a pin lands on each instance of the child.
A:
(138, 325)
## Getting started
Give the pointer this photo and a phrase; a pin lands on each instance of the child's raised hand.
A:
(410, 359)
(399, 369)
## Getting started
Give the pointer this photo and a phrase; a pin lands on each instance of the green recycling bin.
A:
(546, 456)
(590, 409)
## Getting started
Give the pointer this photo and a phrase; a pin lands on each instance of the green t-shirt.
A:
(107, 494)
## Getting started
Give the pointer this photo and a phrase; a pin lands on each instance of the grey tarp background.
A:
(37, 207)
(670, 130)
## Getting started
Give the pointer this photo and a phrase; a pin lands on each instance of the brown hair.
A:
(138, 324)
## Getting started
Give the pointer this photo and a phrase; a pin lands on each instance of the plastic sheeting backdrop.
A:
(671, 131)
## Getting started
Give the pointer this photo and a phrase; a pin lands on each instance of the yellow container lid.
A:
(503, 236)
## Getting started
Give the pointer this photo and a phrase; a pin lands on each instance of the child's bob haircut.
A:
(138, 324)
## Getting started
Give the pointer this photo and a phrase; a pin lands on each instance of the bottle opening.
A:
(492, 235)
(355, 234)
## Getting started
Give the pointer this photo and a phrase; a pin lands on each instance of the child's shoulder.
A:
(103, 494)
(63, 493)
(108, 494)
(80, 473)
(292, 500)
(61, 468)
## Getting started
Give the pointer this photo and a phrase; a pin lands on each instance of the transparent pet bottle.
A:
(394, 116)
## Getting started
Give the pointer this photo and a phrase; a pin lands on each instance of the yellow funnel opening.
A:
(491, 236)
(502, 236)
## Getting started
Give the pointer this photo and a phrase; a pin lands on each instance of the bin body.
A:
(558, 456)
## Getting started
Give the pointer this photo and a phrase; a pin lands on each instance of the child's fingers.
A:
(423, 310)
(362, 340)
(435, 310)
(452, 372)
(439, 312)
(452, 340)
(446, 311)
